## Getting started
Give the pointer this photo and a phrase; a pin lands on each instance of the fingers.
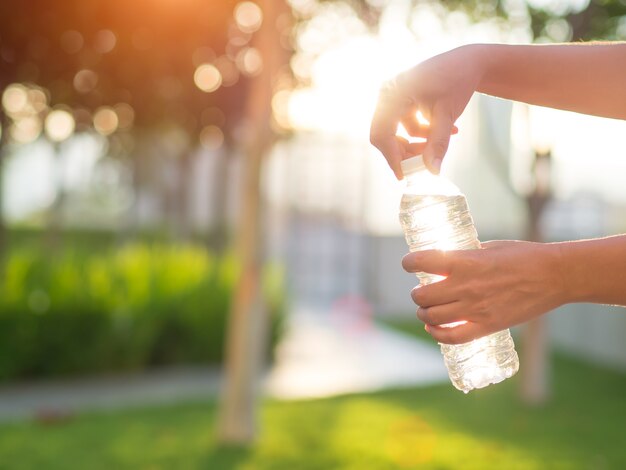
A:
(458, 334)
(437, 293)
(410, 149)
(429, 261)
(396, 106)
(415, 128)
(440, 314)
(439, 138)
(389, 112)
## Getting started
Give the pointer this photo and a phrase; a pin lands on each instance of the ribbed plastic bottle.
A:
(434, 215)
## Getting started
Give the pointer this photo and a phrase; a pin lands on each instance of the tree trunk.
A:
(246, 336)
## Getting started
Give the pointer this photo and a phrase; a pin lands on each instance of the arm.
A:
(507, 283)
(586, 78)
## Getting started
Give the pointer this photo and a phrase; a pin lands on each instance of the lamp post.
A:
(535, 386)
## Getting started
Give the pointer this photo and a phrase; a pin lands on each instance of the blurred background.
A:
(189, 203)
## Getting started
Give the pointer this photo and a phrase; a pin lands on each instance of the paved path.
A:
(57, 398)
(320, 356)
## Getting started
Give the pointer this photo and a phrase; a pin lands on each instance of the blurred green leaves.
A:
(141, 305)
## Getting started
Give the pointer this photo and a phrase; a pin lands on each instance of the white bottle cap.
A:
(412, 165)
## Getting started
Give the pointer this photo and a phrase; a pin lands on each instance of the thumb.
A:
(428, 261)
(437, 145)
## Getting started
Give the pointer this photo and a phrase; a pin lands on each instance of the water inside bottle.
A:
(444, 222)
(437, 222)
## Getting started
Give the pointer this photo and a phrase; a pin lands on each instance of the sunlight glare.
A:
(25, 129)
(207, 77)
(59, 125)
(14, 98)
(105, 120)
(248, 16)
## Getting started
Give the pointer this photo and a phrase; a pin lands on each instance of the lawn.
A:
(422, 428)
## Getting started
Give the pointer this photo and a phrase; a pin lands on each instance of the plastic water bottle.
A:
(434, 215)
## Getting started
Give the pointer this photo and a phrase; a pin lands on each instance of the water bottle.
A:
(434, 215)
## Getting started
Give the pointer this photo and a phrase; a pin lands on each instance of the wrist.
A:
(482, 59)
(570, 285)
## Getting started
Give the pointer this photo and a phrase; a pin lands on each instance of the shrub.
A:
(138, 306)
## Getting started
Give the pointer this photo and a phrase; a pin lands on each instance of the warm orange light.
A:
(207, 77)
(15, 98)
(72, 41)
(280, 108)
(248, 16)
(250, 61)
(105, 41)
(85, 80)
(59, 125)
(211, 137)
(26, 129)
(228, 70)
(105, 121)
(125, 115)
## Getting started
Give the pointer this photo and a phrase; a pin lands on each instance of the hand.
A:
(500, 285)
(440, 89)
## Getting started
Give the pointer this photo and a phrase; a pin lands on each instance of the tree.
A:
(247, 328)
(146, 68)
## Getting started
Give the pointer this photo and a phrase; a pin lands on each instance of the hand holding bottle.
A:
(503, 284)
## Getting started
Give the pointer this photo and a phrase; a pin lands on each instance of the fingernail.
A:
(427, 328)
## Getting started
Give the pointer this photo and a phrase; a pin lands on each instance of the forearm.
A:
(585, 78)
(593, 270)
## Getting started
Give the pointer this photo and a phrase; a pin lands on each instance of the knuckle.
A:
(375, 138)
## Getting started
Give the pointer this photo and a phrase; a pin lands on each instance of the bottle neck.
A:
(423, 182)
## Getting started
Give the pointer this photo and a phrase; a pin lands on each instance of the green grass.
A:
(423, 428)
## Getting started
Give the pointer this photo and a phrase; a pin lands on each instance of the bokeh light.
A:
(248, 16)
(105, 41)
(105, 120)
(280, 108)
(207, 77)
(211, 137)
(85, 81)
(59, 125)
(125, 115)
(14, 98)
(250, 61)
(38, 99)
(25, 129)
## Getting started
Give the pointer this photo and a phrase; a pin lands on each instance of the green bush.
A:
(138, 306)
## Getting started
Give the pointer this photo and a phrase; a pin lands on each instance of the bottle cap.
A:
(412, 165)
